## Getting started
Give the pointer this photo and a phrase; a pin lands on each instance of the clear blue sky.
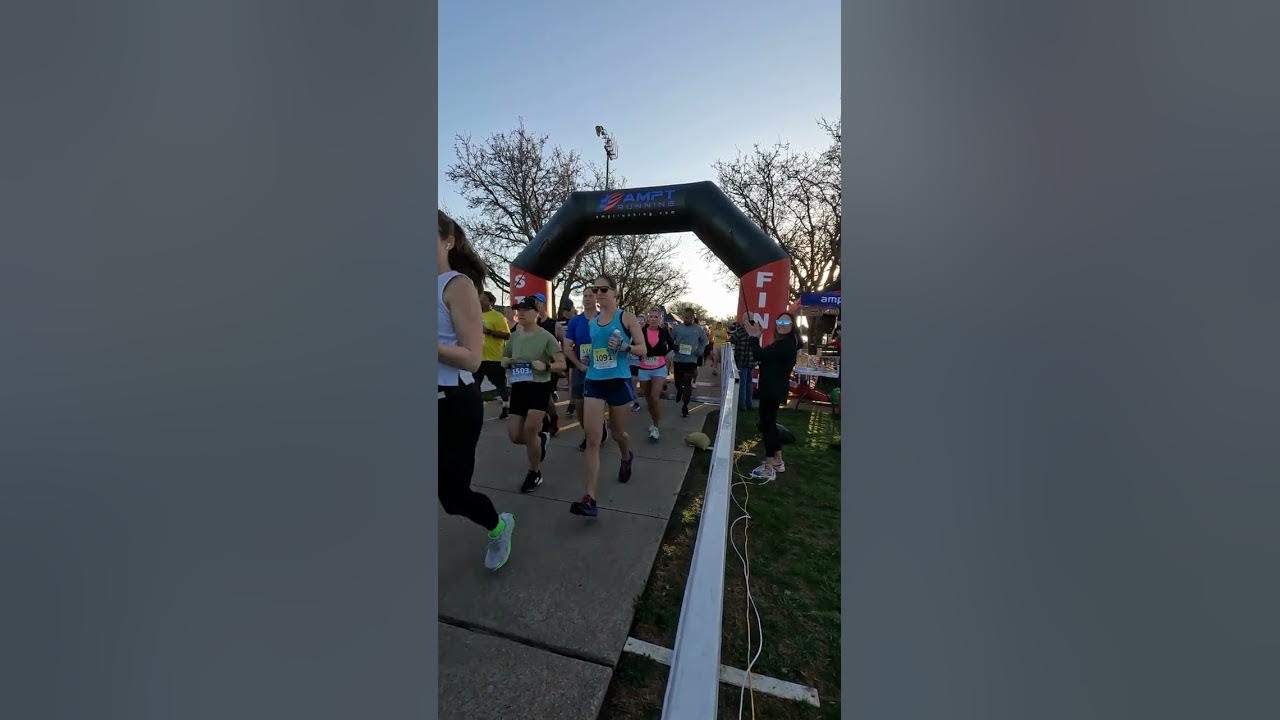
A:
(679, 85)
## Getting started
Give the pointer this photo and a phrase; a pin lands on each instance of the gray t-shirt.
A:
(690, 342)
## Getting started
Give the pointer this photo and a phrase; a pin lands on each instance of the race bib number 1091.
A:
(603, 359)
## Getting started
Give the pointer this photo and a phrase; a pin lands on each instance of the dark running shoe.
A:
(684, 411)
(624, 471)
(531, 482)
(544, 439)
(505, 413)
(586, 507)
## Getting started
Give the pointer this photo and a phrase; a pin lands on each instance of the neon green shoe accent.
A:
(498, 549)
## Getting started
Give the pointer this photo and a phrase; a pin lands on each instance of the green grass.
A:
(793, 543)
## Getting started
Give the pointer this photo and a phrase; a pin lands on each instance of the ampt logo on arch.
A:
(637, 200)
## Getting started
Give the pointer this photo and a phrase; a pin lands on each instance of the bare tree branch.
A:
(647, 268)
(514, 182)
(677, 308)
(794, 198)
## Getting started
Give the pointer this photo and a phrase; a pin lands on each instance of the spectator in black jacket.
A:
(776, 363)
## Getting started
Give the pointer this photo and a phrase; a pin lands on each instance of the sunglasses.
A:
(783, 321)
(600, 290)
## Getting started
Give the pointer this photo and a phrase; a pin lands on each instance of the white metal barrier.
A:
(693, 685)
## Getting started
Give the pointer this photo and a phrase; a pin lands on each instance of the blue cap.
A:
(540, 297)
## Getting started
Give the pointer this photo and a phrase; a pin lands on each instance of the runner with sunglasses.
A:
(614, 335)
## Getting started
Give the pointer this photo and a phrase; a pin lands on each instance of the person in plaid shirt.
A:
(744, 357)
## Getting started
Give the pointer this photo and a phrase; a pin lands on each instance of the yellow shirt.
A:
(719, 336)
(492, 351)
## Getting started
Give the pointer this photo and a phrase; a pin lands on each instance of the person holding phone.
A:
(531, 355)
(776, 363)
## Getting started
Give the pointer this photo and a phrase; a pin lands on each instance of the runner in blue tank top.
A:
(614, 335)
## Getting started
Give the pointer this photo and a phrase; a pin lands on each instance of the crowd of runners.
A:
(612, 359)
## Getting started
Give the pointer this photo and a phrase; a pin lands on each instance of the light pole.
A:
(610, 151)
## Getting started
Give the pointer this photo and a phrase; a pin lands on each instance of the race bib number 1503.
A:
(521, 372)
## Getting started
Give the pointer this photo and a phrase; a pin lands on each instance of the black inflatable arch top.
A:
(699, 207)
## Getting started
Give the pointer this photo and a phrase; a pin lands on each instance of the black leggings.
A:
(769, 403)
(685, 373)
(461, 417)
(493, 371)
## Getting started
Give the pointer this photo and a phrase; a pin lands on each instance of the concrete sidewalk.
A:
(540, 637)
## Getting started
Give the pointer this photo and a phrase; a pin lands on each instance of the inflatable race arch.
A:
(762, 266)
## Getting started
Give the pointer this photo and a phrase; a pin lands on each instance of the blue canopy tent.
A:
(816, 307)
(826, 302)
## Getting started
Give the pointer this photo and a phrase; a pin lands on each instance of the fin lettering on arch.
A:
(764, 294)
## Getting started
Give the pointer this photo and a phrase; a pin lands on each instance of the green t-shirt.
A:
(525, 347)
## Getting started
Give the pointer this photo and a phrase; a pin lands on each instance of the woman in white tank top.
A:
(459, 334)
(459, 340)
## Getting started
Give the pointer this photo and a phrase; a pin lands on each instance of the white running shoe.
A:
(498, 549)
(781, 467)
(653, 433)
